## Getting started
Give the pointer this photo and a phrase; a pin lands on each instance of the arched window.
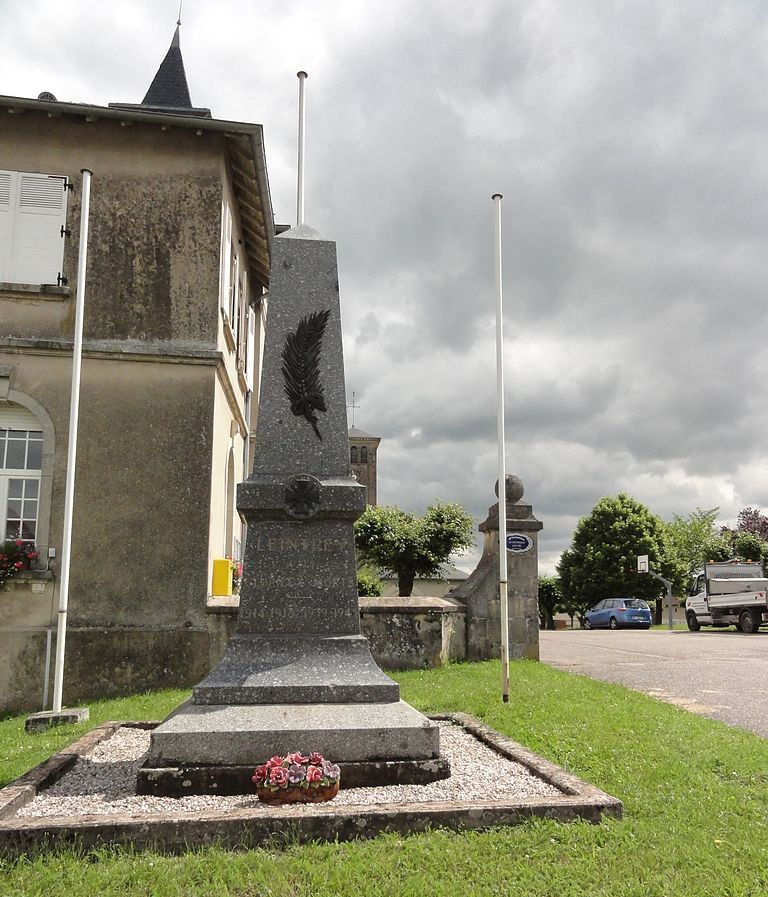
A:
(21, 463)
(364, 455)
(353, 454)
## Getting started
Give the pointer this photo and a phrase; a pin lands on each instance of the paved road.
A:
(720, 674)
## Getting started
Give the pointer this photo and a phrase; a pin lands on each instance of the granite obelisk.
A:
(297, 674)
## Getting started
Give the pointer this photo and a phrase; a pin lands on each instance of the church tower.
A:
(362, 456)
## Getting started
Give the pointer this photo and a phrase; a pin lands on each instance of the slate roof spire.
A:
(169, 87)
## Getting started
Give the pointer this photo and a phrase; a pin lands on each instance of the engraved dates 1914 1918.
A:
(301, 367)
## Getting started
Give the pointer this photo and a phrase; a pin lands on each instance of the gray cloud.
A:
(628, 141)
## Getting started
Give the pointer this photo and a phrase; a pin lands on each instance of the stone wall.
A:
(413, 633)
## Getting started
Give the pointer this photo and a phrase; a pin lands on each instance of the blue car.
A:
(618, 613)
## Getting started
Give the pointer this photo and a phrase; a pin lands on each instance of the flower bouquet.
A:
(15, 555)
(296, 778)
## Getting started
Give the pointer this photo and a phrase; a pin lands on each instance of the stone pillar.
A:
(480, 593)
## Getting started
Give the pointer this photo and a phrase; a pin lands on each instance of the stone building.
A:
(181, 232)
(362, 455)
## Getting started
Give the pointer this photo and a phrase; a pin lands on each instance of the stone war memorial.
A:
(297, 673)
(296, 677)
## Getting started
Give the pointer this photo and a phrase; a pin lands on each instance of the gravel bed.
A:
(103, 783)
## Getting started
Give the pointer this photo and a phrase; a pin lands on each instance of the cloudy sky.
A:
(629, 141)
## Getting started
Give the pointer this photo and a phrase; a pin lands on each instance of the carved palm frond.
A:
(301, 367)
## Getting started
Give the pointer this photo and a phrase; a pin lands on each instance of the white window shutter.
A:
(250, 350)
(38, 244)
(7, 191)
(16, 417)
(225, 257)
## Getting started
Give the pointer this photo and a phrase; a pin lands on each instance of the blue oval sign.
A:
(519, 543)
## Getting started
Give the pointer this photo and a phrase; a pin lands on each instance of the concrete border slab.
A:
(177, 832)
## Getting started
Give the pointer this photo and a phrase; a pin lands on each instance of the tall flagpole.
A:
(74, 406)
(502, 482)
(302, 76)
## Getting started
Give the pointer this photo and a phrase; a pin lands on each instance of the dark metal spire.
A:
(169, 87)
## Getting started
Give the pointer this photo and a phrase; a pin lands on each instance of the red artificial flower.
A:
(314, 774)
(260, 774)
(297, 758)
(278, 776)
(316, 758)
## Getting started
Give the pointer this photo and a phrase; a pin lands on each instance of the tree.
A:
(719, 547)
(749, 546)
(751, 520)
(692, 537)
(408, 546)
(602, 559)
(550, 600)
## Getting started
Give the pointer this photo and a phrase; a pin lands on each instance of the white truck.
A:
(728, 593)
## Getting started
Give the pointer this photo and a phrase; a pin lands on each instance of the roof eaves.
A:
(123, 112)
(253, 133)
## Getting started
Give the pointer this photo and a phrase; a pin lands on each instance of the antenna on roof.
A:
(181, 3)
(302, 76)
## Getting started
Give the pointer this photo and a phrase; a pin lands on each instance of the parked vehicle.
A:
(618, 613)
(728, 593)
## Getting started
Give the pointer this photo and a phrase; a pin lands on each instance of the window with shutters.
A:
(33, 211)
(21, 461)
(250, 348)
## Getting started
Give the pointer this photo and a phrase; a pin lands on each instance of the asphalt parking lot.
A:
(720, 674)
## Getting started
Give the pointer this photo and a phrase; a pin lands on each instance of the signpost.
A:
(643, 567)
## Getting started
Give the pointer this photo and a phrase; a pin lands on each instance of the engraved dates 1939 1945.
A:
(301, 367)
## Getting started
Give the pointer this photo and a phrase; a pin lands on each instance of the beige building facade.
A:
(178, 265)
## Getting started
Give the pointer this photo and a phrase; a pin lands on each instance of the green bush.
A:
(368, 583)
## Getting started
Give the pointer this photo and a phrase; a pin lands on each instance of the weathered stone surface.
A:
(413, 633)
(46, 719)
(349, 733)
(299, 577)
(175, 781)
(480, 593)
(296, 669)
(299, 589)
(304, 281)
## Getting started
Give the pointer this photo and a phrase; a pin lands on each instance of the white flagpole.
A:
(302, 76)
(502, 487)
(69, 497)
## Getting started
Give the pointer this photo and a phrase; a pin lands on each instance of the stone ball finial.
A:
(515, 488)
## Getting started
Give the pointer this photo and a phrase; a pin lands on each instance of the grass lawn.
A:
(695, 795)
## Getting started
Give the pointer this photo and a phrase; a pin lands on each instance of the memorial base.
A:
(247, 735)
(181, 781)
